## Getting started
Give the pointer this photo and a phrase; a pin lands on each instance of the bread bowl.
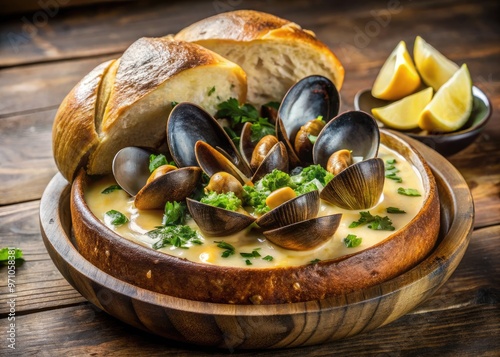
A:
(99, 121)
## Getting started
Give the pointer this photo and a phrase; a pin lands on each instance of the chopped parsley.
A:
(248, 262)
(269, 258)
(374, 222)
(8, 254)
(174, 214)
(391, 172)
(315, 261)
(115, 218)
(211, 91)
(312, 174)
(227, 200)
(274, 180)
(255, 254)
(110, 189)
(173, 103)
(175, 236)
(156, 161)
(394, 210)
(228, 248)
(240, 114)
(352, 241)
(256, 199)
(409, 192)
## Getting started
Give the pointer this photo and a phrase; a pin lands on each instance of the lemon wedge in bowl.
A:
(404, 113)
(451, 106)
(434, 68)
(398, 77)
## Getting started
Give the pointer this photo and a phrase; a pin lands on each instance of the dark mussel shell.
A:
(187, 124)
(131, 168)
(353, 130)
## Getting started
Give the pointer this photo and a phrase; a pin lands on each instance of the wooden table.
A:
(44, 53)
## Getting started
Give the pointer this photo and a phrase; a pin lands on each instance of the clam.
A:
(187, 124)
(152, 190)
(308, 99)
(265, 155)
(217, 221)
(305, 235)
(354, 186)
(298, 209)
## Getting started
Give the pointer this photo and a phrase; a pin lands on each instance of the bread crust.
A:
(85, 126)
(74, 133)
(250, 25)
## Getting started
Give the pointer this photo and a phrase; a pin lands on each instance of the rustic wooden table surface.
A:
(43, 53)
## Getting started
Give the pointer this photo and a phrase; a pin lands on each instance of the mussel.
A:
(311, 97)
(187, 124)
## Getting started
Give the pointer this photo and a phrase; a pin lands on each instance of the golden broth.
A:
(142, 221)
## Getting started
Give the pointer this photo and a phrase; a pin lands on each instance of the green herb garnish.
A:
(110, 189)
(174, 213)
(274, 180)
(391, 171)
(255, 199)
(315, 261)
(116, 218)
(394, 210)
(254, 254)
(211, 91)
(9, 254)
(352, 241)
(227, 200)
(228, 248)
(156, 161)
(269, 258)
(374, 222)
(390, 162)
(173, 103)
(311, 173)
(408, 192)
(248, 262)
(178, 236)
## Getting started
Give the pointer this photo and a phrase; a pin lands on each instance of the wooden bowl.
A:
(445, 143)
(266, 326)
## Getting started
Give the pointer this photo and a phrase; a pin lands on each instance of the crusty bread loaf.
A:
(126, 102)
(275, 53)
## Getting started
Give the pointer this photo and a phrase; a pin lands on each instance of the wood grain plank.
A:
(26, 162)
(84, 330)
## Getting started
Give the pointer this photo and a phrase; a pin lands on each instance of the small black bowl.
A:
(446, 144)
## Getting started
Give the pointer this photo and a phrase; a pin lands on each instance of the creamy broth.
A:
(142, 221)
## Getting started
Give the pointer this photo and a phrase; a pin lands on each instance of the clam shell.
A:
(305, 235)
(276, 158)
(217, 221)
(298, 209)
(131, 168)
(357, 187)
(175, 185)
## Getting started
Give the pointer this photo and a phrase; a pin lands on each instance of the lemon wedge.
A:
(398, 77)
(433, 66)
(404, 113)
(451, 106)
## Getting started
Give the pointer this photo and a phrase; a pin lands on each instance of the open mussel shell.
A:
(187, 124)
(309, 98)
(305, 235)
(217, 221)
(357, 187)
(212, 161)
(175, 185)
(298, 209)
(131, 168)
(353, 130)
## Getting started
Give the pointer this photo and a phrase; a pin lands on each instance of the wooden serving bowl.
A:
(266, 326)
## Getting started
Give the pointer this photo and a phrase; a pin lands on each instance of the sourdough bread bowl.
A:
(274, 52)
(167, 274)
(126, 102)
